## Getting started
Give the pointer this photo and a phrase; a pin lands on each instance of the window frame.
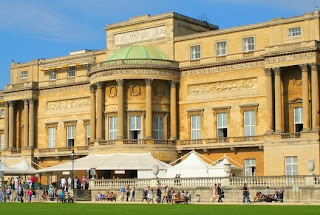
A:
(245, 48)
(2, 113)
(193, 54)
(224, 124)
(50, 139)
(291, 164)
(51, 75)
(157, 129)
(113, 130)
(218, 54)
(249, 107)
(197, 129)
(294, 119)
(72, 137)
(71, 69)
(24, 75)
(291, 32)
(88, 132)
(250, 167)
(2, 141)
(136, 127)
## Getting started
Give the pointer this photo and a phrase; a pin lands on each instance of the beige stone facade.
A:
(251, 92)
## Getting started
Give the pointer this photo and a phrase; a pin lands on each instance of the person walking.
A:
(246, 194)
(214, 192)
(281, 192)
(220, 193)
(159, 194)
(133, 194)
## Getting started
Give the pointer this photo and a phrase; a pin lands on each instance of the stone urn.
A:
(155, 170)
(311, 165)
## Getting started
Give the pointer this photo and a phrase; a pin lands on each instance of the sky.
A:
(37, 29)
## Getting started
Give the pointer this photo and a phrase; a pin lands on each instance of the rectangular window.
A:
(24, 74)
(222, 125)
(2, 142)
(291, 165)
(248, 44)
(70, 136)
(195, 127)
(113, 127)
(72, 72)
(135, 127)
(51, 138)
(298, 119)
(158, 127)
(250, 167)
(221, 48)
(294, 32)
(249, 123)
(2, 113)
(53, 75)
(87, 134)
(195, 52)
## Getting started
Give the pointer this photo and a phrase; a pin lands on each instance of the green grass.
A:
(164, 209)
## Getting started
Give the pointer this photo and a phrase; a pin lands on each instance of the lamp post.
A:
(72, 170)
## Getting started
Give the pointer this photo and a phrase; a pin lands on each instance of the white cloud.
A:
(40, 21)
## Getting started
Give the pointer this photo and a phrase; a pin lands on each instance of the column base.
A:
(315, 129)
(173, 138)
(270, 132)
(149, 138)
(278, 132)
(119, 137)
(306, 130)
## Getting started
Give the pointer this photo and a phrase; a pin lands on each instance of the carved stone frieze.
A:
(67, 63)
(222, 86)
(140, 35)
(124, 72)
(65, 89)
(222, 68)
(18, 95)
(291, 57)
(68, 104)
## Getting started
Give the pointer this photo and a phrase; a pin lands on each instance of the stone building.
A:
(168, 84)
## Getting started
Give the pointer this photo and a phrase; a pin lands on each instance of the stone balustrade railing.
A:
(223, 140)
(139, 62)
(258, 181)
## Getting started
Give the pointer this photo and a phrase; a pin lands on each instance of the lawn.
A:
(132, 209)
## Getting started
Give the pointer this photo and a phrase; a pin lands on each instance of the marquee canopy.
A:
(118, 161)
(21, 168)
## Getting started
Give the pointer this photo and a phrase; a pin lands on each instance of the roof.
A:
(137, 52)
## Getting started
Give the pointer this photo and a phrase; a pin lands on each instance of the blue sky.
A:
(37, 29)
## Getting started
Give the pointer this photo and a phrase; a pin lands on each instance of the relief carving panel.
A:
(68, 104)
(222, 86)
(140, 35)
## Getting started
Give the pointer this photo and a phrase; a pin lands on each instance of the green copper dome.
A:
(137, 52)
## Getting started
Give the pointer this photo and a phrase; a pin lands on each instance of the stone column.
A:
(173, 110)
(120, 109)
(315, 96)
(99, 110)
(6, 125)
(26, 123)
(11, 124)
(92, 113)
(269, 101)
(149, 109)
(277, 98)
(31, 123)
(305, 97)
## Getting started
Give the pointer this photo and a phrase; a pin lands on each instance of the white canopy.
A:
(118, 161)
(191, 167)
(21, 168)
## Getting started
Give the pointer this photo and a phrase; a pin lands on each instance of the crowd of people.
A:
(266, 195)
(66, 184)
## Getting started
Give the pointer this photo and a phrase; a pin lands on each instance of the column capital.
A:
(304, 67)
(268, 71)
(100, 85)
(92, 88)
(12, 103)
(148, 82)
(6, 104)
(32, 101)
(120, 82)
(314, 66)
(26, 101)
(277, 70)
(174, 83)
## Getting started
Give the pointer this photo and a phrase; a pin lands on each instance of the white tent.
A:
(191, 167)
(219, 169)
(21, 168)
(142, 162)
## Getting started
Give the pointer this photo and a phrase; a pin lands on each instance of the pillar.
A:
(6, 125)
(31, 122)
(99, 111)
(277, 100)
(149, 109)
(305, 97)
(11, 124)
(173, 110)
(120, 109)
(315, 96)
(269, 100)
(92, 113)
(26, 123)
